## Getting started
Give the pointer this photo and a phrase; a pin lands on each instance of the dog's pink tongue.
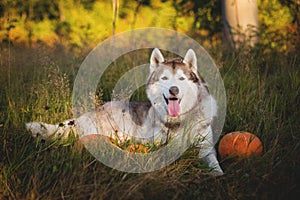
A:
(173, 108)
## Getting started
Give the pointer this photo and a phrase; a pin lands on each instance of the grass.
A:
(263, 98)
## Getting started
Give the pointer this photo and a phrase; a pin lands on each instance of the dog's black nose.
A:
(174, 90)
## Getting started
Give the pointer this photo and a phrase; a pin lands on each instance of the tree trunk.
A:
(240, 20)
(62, 16)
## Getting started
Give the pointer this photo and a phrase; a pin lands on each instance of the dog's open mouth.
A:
(173, 106)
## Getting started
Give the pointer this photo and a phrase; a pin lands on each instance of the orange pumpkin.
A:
(240, 144)
(94, 139)
(137, 148)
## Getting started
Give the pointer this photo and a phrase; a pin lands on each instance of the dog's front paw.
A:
(217, 171)
(211, 160)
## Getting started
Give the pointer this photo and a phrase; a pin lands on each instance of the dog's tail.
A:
(47, 131)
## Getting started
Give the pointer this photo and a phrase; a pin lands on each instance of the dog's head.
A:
(173, 84)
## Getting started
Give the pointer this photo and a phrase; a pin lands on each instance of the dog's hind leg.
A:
(83, 125)
(53, 131)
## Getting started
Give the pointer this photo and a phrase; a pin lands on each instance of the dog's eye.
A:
(164, 78)
(181, 78)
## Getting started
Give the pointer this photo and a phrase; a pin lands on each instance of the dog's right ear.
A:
(156, 58)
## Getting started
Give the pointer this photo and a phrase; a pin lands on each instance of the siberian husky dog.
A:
(176, 94)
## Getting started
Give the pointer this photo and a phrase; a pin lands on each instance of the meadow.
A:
(262, 95)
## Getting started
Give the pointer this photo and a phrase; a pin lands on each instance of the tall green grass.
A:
(263, 98)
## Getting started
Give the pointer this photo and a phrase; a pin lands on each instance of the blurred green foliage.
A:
(278, 29)
(77, 24)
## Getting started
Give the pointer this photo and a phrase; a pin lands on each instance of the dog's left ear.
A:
(191, 59)
(156, 58)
